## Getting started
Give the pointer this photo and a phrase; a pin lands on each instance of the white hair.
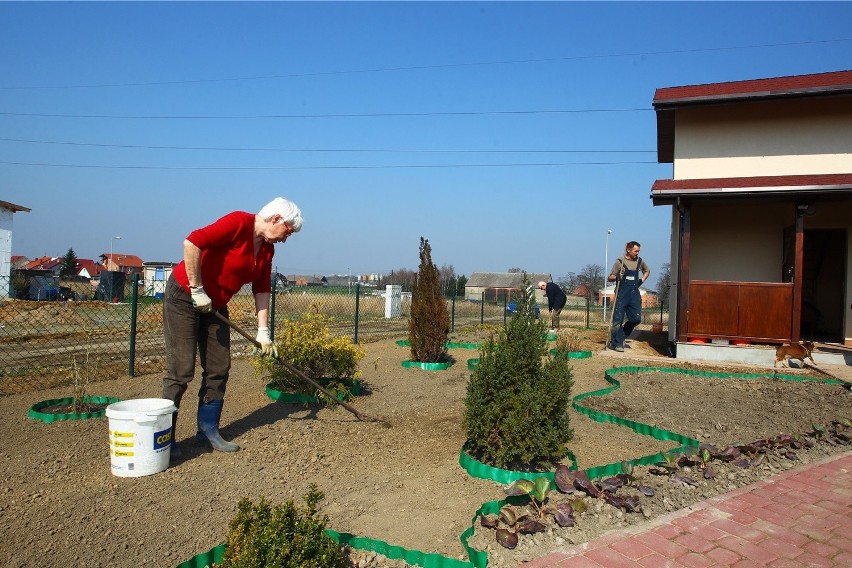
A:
(288, 210)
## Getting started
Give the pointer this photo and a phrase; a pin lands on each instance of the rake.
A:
(359, 415)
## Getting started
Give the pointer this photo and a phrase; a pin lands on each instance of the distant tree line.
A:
(449, 282)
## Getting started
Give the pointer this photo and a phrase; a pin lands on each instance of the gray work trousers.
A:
(554, 318)
(189, 332)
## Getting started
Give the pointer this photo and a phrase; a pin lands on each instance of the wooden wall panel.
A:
(757, 311)
(713, 308)
(766, 310)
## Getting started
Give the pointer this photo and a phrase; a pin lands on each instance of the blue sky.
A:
(509, 134)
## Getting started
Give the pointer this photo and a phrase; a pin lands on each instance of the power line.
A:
(381, 167)
(429, 67)
(345, 115)
(322, 150)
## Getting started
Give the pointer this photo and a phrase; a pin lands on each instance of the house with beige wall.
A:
(761, 203)
(498, 286)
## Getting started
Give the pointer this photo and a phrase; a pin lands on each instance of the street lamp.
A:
(111, 241)
(606, 265)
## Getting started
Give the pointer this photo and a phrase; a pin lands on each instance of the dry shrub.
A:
(569, 341)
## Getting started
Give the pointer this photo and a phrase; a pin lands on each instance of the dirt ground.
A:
(60, 504)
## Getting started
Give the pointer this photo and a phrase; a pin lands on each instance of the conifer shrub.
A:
(308, 345)
(429, 325)
(516, 407)
(282, 536)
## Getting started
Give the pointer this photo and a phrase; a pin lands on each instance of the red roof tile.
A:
(837, 81)
(92, 267)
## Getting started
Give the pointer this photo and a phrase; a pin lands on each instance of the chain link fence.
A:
(45, 341)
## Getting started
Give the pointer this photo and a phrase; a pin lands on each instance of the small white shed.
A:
(7, 210)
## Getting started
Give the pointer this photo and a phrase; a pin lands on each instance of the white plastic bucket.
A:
(140, 436)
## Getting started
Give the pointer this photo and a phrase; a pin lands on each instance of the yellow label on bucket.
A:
(123, 434)
(124, 454)
(123, 444)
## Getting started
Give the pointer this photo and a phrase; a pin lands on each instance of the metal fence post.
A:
(505, 307)
(271, 322)
(134, 301)
(588, 312)
(357, 305)
(453, 312)
(482, 309)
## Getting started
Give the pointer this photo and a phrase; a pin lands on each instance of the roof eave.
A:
(670, 196)
(833, 90)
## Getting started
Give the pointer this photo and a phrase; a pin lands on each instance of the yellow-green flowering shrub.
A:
(308, 345)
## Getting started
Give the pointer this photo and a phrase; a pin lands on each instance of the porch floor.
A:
(832, 355)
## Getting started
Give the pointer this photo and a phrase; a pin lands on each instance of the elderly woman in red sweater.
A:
(218, 260)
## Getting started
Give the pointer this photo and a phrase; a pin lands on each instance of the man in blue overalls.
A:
(629, 273)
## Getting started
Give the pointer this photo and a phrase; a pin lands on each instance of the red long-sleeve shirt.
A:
(227, 259)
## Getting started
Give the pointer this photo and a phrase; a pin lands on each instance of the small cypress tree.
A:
(516, 408)
(429, 325)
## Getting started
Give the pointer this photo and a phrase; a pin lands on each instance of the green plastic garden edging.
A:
(412, 557)
(571, 354)
(659, 433)
(477, 469)
(299, 398)
(448, 345)
(454, 345)
(479, 559)
(48, 417)
(427, 366)
(505, 476)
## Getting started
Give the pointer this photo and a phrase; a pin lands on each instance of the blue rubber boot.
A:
(208, 426)
(175, 453)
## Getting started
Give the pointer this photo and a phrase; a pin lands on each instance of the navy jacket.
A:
(556, 298)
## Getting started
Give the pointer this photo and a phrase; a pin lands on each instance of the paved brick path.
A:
(802, 517)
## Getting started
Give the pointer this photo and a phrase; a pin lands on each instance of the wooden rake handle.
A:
(359, 415)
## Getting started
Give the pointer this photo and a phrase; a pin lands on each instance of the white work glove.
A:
(201, 300)
(266, 345)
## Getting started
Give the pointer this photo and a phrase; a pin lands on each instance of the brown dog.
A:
(802, 351)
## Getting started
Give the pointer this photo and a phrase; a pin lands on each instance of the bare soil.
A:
(60, 505)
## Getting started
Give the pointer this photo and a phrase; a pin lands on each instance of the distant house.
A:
(129, 264)
(340, 279)
(305, 280)
(649, 297)
(497, 286)
(279, 281)
(88, 268)
(19, 261)
(7, 210)
(48, 265)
